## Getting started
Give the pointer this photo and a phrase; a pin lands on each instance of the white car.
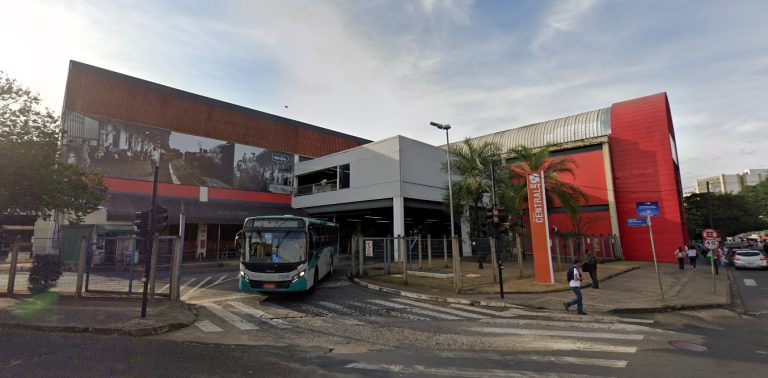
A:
(747, 258)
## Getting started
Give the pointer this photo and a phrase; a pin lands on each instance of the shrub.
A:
(46, 270)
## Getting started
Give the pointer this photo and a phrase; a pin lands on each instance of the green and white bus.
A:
(286, 253)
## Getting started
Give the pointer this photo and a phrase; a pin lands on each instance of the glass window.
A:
(276, 247)
(344, 176)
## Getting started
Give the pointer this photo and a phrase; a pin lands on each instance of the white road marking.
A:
(438, 308)
(207, 326)
(513, 312)
(340, 308)
(484, 310)
(230, 317)
(544, 332)
(396, 314)
(749, 282)
(261, 315)
(187, 284)
(223, 276)
(164, 288)
(335, 284)
(619, 327)
(236, 296)
(454, 372)
(196, 288)
(416, 310)
(330, 315)
(536, 358)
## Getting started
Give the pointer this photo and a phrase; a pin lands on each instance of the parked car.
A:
(747, 258)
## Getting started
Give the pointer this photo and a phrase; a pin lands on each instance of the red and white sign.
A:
(711, 244)
(709, 234)
(537, 209)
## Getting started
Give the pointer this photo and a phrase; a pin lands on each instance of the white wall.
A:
(421, 169)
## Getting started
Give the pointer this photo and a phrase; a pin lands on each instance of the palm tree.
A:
(529, 160)
(472, 163)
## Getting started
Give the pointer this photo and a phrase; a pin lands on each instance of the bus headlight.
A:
(242, 274)
(301, 274)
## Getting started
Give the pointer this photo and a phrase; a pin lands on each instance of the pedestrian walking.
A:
(680, 257)
(574, 281)
(692, 254)
(590, 266)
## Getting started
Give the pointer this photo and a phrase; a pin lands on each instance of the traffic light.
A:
(141, 223)
(161, 219)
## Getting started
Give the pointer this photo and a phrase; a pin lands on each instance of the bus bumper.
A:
(299, 285)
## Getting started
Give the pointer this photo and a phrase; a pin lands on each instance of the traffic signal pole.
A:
(148, 245)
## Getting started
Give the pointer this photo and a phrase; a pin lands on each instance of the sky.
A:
(378, 68)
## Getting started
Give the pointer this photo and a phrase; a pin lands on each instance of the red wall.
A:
(643, 170)
(189, 191)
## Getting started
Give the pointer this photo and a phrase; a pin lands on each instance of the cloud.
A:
(563, 17)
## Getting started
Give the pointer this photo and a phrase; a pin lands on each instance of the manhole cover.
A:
(684, 345)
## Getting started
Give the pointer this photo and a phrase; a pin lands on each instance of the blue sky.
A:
(379, 68)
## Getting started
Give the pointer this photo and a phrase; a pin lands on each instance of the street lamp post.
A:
(447, 127)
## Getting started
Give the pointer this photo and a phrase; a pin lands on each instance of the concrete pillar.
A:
(610, 191)
(398, 222)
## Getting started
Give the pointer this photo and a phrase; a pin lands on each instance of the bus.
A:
(286, 253)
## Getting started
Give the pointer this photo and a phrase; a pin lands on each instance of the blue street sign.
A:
(637, 222)
(647, 209)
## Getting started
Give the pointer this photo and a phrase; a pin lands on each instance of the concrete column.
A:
(610, 191)
(398, 222)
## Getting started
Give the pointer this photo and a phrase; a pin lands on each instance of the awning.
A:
(122, 207)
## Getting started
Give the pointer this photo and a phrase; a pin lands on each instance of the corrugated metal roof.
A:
(596, 123)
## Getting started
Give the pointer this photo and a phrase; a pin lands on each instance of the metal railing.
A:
(328, 186)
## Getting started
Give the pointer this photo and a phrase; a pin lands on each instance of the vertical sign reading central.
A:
(537, 208)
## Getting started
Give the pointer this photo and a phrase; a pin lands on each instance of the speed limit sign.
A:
(711, 244)
(709, 234)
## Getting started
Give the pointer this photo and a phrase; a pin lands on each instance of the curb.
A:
(106, 331)
(669, 308)
(435, 298)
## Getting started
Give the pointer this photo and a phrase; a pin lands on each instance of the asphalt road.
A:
(752, 287)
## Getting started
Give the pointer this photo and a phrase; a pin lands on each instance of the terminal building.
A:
(221, 162)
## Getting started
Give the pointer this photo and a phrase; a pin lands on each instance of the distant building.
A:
(731, 183)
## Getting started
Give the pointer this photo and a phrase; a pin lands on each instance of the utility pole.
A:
(495, 228)
(148, 245)
(709, 207)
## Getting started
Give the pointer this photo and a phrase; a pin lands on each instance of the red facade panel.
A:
(189, 191)
(590, 176)
(644, 170)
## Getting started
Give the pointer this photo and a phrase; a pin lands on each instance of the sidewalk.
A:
(634, 291)
(101, 315)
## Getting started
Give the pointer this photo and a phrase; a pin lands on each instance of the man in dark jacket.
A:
(590, 266)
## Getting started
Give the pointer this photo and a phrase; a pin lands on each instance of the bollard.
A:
(557, 250)
(353, 251)
(80, 267)
(429, 252)
(153, 266)
(14, 262)
(493, 259)
(386, 254)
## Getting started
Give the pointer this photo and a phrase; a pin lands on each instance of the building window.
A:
(344, 176)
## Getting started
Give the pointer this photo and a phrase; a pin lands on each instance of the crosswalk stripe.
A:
(484, 310)
(164, 288)
(340, 308)
(416, 310)
(196, 288)
(396, 314)
(750, 282)
(223, 276)
(207, 326)
(261, 315)
(442, 309)
(230, 317)
(565, 316)
(456, 372)
(602, 362)
(330, 315)
(590, 325)
(544, 332)
(187, 284)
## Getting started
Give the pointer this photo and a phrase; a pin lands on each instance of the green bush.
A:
(46, 270)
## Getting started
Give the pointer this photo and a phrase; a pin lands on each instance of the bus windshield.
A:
(275, 246)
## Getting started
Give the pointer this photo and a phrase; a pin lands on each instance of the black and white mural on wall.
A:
(125, 150)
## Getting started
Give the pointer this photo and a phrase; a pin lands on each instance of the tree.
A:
(472, 192)
(529, 160)
(34, 180)
(732, 214)
(757, 196)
